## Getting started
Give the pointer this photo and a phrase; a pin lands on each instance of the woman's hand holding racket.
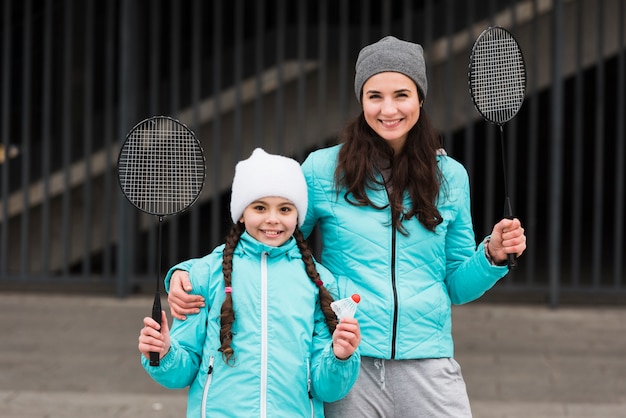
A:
(497, 83)
(154, 338)
(507, 237)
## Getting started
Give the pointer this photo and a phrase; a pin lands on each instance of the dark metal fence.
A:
(75, 76)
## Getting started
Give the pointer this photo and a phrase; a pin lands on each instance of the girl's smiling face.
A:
(271, 220)
(391, 106)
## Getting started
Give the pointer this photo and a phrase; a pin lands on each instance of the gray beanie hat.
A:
(263, 175)
(391, 54)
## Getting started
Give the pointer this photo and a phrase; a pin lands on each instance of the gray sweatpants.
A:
(405, 389)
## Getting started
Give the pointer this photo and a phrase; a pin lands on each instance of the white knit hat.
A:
(264, 175)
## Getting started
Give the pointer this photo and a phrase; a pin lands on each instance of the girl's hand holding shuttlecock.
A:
(346, 338)
(347, 335)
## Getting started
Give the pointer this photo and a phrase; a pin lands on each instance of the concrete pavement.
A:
(76, 356)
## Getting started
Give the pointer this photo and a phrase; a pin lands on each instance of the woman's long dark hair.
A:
(227, 314)
(414, 170)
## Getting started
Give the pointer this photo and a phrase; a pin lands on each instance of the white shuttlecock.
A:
(345, 308)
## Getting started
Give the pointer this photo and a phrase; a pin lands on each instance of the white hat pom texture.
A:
(265, 175)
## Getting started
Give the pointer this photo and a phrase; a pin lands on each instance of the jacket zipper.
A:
(263, 397)
(394, 328)
(207, 383)
(308, 386)
(395, 292)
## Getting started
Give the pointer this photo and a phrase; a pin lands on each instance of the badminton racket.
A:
(161, 171)
(497, 84)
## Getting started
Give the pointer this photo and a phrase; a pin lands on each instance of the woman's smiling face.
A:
(391, 106)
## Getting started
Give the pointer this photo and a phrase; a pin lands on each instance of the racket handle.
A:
(508, 213)
(512, 260)
(156, 315)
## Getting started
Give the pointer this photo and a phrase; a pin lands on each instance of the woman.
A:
(395, 222)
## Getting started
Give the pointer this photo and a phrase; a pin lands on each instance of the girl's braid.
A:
(227, 315)
(325, 297)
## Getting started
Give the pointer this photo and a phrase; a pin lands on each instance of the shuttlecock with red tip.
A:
(345, 308)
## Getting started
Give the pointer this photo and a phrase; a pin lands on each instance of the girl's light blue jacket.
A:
(408, 282)
(284, 363)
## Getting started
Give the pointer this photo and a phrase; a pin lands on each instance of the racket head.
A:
(497, 75)
(161, 166)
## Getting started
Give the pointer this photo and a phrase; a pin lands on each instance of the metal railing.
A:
(75, 76)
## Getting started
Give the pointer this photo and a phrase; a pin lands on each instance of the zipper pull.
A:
(308, 378)
(210, 370)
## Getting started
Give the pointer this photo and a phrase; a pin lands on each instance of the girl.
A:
(262, 346)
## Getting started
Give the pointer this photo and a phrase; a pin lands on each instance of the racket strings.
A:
(498, 76)
(161, 167)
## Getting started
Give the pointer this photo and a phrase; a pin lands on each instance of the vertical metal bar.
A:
(428, 24)
(109, 132)
(87, 137)
(175, 63)
(386, 14)
(322, 42)
(155, 46)
(127, 113)
(6, 96)
(492, 12)
(469, 140)
(407, 21)
(66, 219)
(620, 156)
(365, 23)
(323, 60)
(449, 75)
(196, 88)
(26, 140)
(598, 184)
(259, 51)
(280, 62)
(46, 104)
(238, 73)
(578, 164)
(344, 53)
(556, 176)
(491, 160)
(530, 256)
(302, 53)
(216, 206)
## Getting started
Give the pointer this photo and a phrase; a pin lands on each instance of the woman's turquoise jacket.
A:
(284, 364)
(407, 282)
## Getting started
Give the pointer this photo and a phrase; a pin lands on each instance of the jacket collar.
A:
(251, 247)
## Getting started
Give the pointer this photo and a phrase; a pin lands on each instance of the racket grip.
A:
(156, 315)
(508, 213)
(512, 261)
(511, 258)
